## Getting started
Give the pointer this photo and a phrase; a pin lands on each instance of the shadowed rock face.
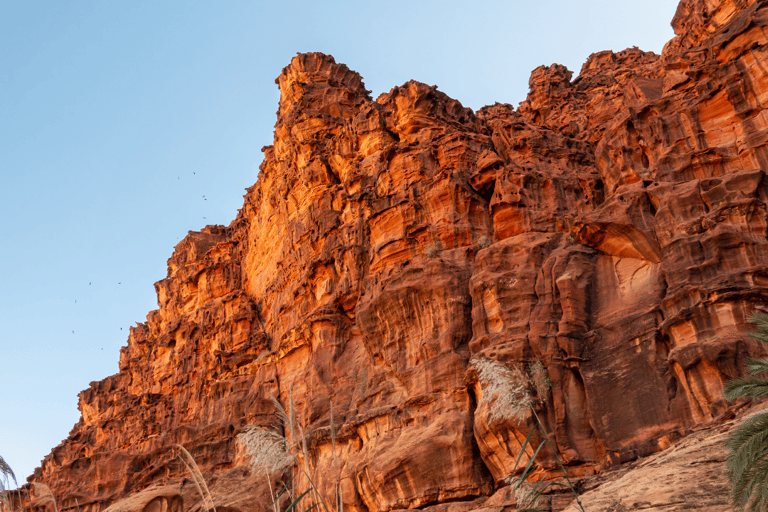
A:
(613, 228)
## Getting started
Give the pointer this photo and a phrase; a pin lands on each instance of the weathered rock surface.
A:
(613, 228)
(689, 475)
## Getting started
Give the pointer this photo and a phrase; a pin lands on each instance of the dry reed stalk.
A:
(339, 500)
(6, 475)
(289, 422)
(44, 495)
(197, 477)
(266, 451)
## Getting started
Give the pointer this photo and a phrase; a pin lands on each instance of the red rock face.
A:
(613, 229)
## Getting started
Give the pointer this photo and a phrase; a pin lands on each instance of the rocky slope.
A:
(612, 228)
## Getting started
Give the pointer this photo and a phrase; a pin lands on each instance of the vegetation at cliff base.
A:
(513, 394)
(748, 460)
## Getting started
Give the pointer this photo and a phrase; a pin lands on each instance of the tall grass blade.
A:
(292, 413)
(305, 452)
(531, 500)
(522, 449)
(296, 501)
(559, 462)
(281, 414)
(529, 466)
(299, 441)
(279, 495)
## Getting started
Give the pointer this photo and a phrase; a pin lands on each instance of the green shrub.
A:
(433, 249)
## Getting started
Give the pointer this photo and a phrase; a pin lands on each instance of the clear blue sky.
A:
(117, 118)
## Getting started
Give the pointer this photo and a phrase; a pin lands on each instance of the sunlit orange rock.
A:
(612, 228)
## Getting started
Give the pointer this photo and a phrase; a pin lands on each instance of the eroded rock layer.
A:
(612, 229)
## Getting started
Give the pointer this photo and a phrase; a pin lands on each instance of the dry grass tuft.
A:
(266, 452)
(506, 390)
(272, 453)
(265, 449)
(526, 497)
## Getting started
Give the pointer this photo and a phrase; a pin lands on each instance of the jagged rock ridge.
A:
(612, 227)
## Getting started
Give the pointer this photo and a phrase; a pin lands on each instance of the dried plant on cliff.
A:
(301, 444)
(266, 454)
(748, 461)
(508, 393)
(6, 475)
(271, 453)
(539, 380)
(504, 389)
(42, 493)
(527, 496)
(44, 496)
(197, 477)
(265, 449)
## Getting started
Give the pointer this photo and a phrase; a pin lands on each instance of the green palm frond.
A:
(756, 387)
(748, 461)
(761, 322)
(748, 444)
(757, 366)
(754, 495)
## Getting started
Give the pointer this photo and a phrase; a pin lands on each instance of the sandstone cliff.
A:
(613, 227)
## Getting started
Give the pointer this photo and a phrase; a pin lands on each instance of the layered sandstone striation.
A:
(612, 228)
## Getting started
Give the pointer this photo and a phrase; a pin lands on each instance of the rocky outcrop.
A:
(612, 229)
(689, 475)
